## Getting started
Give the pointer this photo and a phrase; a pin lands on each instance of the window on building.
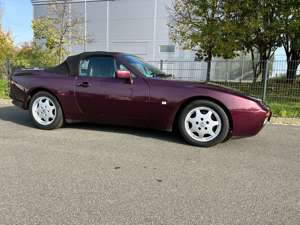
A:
(167, 48)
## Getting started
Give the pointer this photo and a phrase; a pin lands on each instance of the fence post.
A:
(226, 64)
(243, 67)
(265, 81)
(161, 65)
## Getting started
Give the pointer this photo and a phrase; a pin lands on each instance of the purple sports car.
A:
(118, 88)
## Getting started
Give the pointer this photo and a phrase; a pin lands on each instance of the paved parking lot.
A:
(85, 174)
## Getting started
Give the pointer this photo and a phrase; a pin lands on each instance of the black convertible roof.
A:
(73, 61)
(71, 64)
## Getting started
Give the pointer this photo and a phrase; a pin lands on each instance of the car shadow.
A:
(21, 117)
(142, 132)
(15, 115)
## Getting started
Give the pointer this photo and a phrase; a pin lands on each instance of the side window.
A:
(122, 67)
(97, 66)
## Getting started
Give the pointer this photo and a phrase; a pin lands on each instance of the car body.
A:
(139, 100)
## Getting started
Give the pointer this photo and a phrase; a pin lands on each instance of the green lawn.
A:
(282, 97)
(291, 110)
(277, 90)
(3, 89)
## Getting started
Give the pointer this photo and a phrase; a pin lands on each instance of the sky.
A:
(16, 18)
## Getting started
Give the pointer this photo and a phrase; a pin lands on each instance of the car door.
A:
(103, 97)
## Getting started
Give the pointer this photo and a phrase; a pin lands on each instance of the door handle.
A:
(83, 84)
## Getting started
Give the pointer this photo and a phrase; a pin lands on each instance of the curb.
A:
(5, 102)
(285, 121)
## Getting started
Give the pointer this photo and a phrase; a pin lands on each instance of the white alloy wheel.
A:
(203, 124)
(44, 111)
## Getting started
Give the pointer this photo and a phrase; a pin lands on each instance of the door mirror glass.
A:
(121, 74)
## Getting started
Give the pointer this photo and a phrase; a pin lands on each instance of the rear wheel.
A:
(46, 111)
(203, 123)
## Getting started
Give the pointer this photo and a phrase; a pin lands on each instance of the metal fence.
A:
(270, 82)
(271, 86)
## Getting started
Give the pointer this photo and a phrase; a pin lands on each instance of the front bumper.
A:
(268, 117)
(248, 123)
(265, 107)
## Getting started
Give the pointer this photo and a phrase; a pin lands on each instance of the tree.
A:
(59, 29)
(256, 24)
(199, 25)
(30, 55)
(6, 53)
(290, 27)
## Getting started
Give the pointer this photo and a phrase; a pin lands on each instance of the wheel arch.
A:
(40, 89)
(191, 99)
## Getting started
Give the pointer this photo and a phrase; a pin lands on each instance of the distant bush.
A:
(3, 88)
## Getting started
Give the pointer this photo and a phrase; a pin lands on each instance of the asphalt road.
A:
(85, 174)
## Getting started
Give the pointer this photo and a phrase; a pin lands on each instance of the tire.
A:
(203, 123)
(45, 111)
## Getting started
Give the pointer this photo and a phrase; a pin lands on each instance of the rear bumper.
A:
(18, 95)
(18, 104)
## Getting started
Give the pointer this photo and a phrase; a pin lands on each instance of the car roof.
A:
(73, 61)
(85, 54)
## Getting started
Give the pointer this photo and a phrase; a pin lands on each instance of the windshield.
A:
(146, 69)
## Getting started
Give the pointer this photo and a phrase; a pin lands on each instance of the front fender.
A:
(246, 115)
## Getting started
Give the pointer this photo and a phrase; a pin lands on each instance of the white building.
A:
(139, 27)
(134, 26)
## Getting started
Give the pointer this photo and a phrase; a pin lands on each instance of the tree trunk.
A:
(256, 67)
(209, 58)
(255, 72)
(262, 65)
(292, 66)
(264, 69)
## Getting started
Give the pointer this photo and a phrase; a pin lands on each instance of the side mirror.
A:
(124, 75)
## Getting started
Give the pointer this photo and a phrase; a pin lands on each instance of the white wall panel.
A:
(136, 48)
(77, 11)
(96, 25)
(131, 26)
(40, 11)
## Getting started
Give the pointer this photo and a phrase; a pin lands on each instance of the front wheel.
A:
(46, 111)
(203, 123)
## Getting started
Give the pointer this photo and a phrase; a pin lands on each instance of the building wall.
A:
(135, 26)
(138, 27)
